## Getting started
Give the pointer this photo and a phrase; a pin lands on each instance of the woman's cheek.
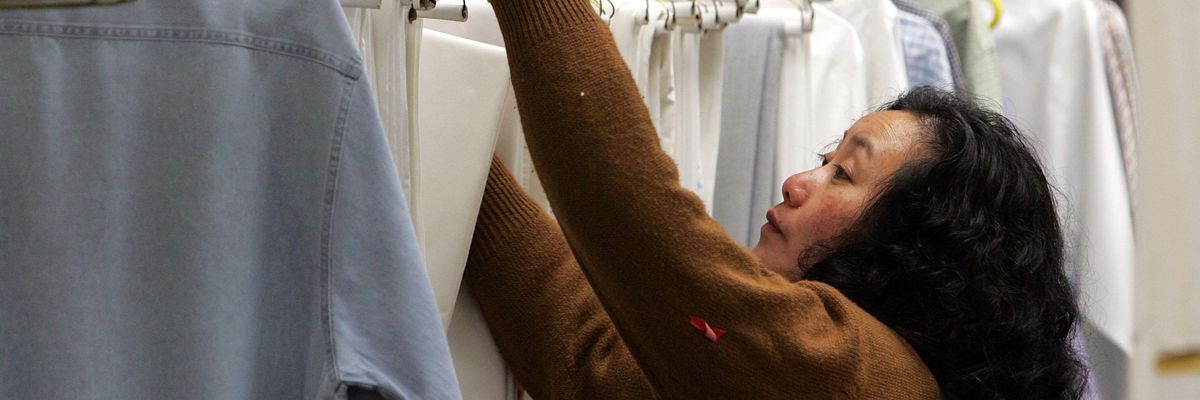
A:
(836, 216)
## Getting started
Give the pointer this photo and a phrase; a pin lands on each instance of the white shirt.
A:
(839, 82)
(1055, 86)
(823, 85)
(794, 113)
(875, 22)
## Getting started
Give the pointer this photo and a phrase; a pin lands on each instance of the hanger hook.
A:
(810, 15)
(997, 11)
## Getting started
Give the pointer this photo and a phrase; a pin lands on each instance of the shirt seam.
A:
(349, 66)
(327, 222)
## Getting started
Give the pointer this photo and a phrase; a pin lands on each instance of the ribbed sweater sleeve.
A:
(543, 315)
(651, 254)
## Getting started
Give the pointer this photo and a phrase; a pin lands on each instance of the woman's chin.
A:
(778, 263)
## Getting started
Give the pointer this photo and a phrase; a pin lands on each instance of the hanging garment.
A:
(823, 86)
(943, 31)
(976, 49)
(634, 26)
(794, 120)
(924, 52)
(510, 144)
(481, 371)
(838, 85)
(482, 374)
(712, 74)
(693, 137)
(199, 202)
(462, 106)
(661, 82)
(1122, 83)
(389, 68)
(745, 177)
(876, 25)
(663, 86)
(685, 145)
(1056, 86)
(1119, 68)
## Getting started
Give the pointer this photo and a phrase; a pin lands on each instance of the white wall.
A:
(1166, 34)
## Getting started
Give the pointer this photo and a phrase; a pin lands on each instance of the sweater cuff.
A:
(506, 215)
(526, 22)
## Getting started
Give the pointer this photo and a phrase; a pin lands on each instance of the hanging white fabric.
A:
(712, 71)
(876, 24)
(458, 120)
(793, 85)
(838, 83)
(481, 371)
(1056, 89)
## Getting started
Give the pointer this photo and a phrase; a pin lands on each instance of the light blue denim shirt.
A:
(197, 201)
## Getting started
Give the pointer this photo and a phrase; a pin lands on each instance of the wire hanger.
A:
(668, 16)
(360, 3)
(751, 7)
(709, 18)
(599, 4)
(727, 12)
(807, 14)
(606, 15)
(447, 10)
(689, 18)
(57, 3)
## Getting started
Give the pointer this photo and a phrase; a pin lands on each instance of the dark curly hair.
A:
(962, 254)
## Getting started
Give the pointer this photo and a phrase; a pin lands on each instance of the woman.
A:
(922, 260)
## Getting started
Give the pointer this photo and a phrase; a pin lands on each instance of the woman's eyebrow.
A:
(863, 143)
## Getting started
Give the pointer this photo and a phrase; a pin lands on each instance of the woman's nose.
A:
(794, 191)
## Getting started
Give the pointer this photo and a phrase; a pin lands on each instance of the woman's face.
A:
(822, 203)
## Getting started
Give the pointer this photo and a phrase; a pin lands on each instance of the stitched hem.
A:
(331, 177)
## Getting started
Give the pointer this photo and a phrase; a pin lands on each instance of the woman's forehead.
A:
(886, 131)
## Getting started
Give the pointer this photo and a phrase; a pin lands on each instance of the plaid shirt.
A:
(942, 30)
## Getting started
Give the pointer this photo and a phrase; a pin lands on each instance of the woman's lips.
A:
(773, 222)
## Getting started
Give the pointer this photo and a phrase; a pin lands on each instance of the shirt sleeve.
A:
(543, 315)
(385, 332)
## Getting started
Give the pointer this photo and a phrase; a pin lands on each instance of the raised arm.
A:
(544, 317)
(652, 254)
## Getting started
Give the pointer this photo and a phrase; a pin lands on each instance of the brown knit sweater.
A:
(600, 308)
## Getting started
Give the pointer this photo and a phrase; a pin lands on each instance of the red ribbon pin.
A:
(709, 331)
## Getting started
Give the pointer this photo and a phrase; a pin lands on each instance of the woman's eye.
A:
(841, 173)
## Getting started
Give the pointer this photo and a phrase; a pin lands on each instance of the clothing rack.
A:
(450, 10)
(424, 4)
(688, 15)
(360, 3)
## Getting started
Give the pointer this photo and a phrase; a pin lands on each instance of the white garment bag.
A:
(482, 26)
(460, 111)
(482, 373)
